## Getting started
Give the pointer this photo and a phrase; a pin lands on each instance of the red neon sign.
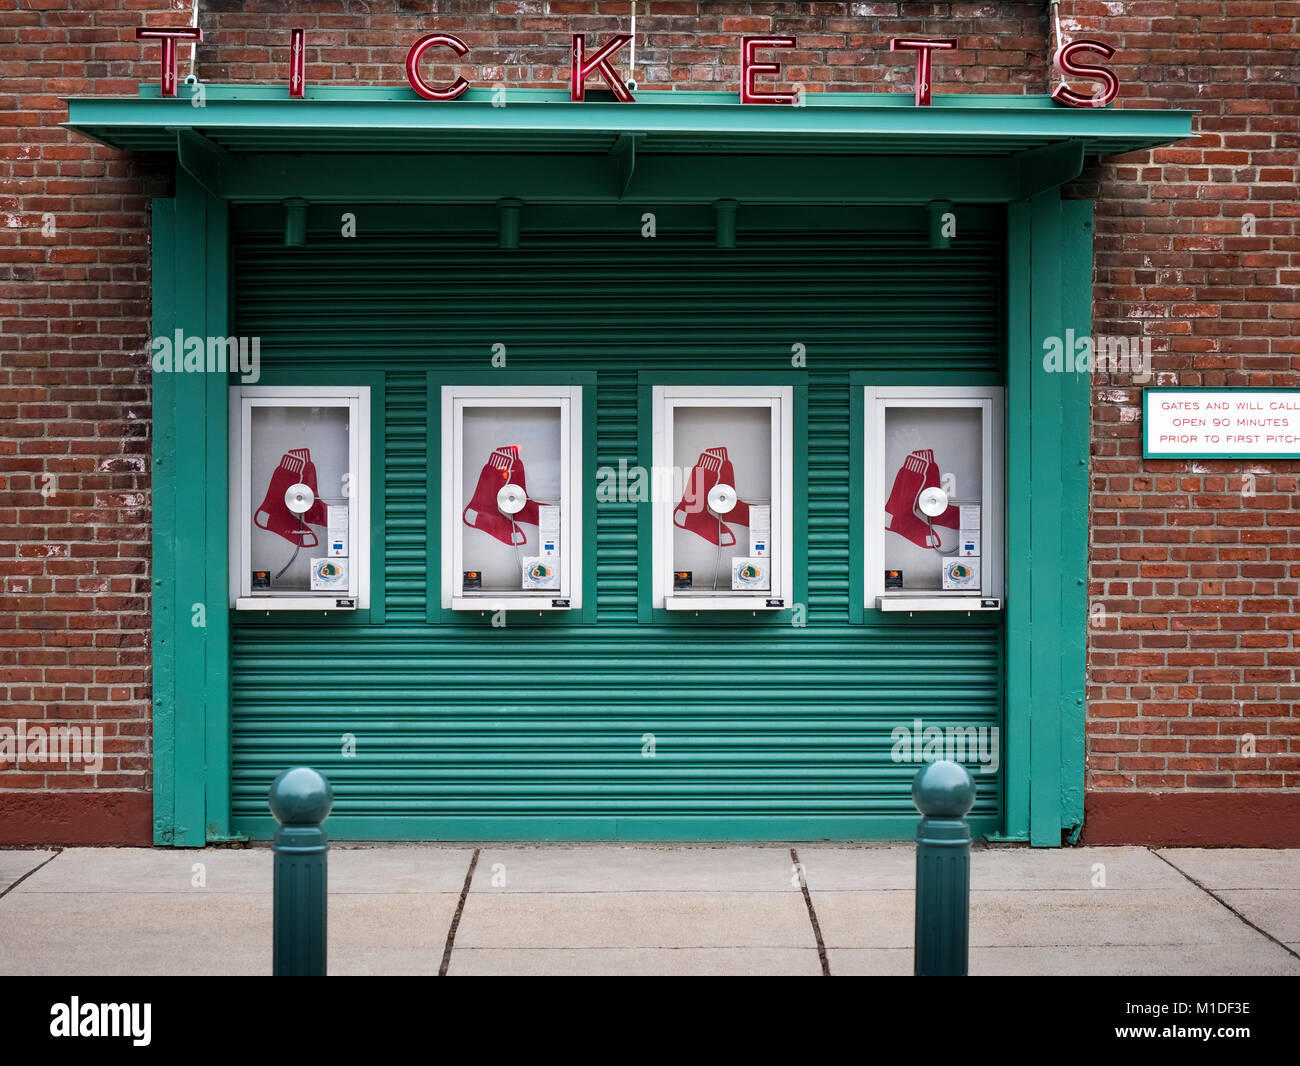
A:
(1064, 61)
(750, 69)
(584, 65)
(922, 47)
(431, 40)
(169, 39)
(297, 77)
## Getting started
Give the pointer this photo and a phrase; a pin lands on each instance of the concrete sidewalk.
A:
(652, 910)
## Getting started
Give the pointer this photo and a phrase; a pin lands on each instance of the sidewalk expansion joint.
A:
(812, 913)
(455, 918)
(1228, 906)
(57, 853)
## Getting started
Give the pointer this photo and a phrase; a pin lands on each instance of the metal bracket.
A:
(623, 153)
(295, 223)
(937, 209)
(1047, 167)
(508, 223)
(724, 223)
(200, 158)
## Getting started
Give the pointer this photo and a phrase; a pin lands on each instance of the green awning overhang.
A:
(253, 143)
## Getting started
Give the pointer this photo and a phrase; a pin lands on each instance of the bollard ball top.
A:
(943, 789)
(300, 796)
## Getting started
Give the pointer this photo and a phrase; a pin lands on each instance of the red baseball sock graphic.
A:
(693, 511)
(315, 515)
(482, 512)
(951, 516)
(528, 513)
(901, 505)
(274, 515)
(727, 475)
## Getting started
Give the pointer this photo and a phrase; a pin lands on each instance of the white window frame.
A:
(988, 399)
(356, 400)
(454, 400)
(780, 401)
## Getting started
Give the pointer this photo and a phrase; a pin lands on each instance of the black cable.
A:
(297, 548)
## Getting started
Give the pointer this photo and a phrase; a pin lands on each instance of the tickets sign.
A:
(1211, 423)
(597, 58)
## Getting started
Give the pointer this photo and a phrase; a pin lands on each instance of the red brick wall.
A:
(74, 406)
(1197, 580)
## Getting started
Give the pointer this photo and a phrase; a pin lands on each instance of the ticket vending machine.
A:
(933, 536)
(511, 469)
(723, 529)
(300, 498)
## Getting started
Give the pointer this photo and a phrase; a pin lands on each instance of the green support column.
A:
(216, 504)
(1016, 720)
(1049, 293)
(1048, 515)
(189, 479)
(164, 517)
(1076, 396)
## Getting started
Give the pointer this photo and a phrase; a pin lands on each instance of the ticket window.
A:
(511, 462)
(723, 529)
(933, 526)
(300, 537)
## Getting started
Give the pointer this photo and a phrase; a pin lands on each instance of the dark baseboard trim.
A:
(74, 818)
(1193, 819)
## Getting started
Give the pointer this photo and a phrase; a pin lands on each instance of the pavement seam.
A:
(29, 873)
(812, 914)
(455, 918)
(1228, 906)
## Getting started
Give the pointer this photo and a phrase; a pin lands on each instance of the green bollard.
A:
(943, 792)
(300, 799)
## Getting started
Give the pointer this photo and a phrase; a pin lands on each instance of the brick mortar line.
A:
(1226, 905)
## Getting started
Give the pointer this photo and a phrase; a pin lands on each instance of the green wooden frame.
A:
(646, 380)
(1017, 140)
(191, 663)
(1049, 290)
(434, 612)
(974, 149)
(376, 380)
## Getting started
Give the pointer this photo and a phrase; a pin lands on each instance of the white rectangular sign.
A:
(1208, 423)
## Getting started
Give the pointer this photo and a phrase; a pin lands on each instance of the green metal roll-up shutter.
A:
(464, 731)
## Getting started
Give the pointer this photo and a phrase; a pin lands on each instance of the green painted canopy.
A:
(255, 143)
